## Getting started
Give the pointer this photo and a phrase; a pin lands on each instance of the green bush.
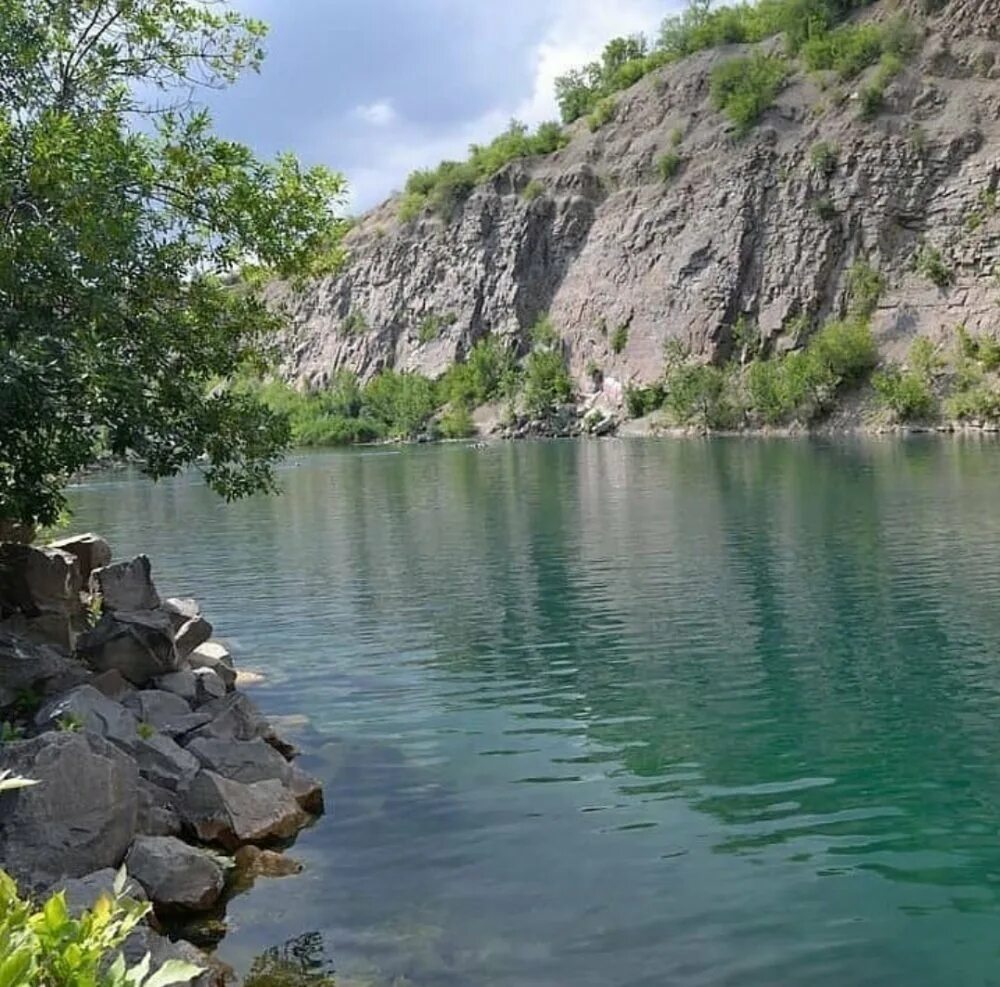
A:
(825, 208)
(802, 384)
(743, 88)
(533, 190)
(400, 403)
(984, 350)
(642, 401)
(46, 947)
(824, 157)
(696, 394)
(930, 263)
(619, 339)
(906, 393)
(667, 165)
(488, 371)
(978, 403)
(445, 189)
(546, 382)
(864, 289)
(603, 112)
(355, 324)
(457, 423)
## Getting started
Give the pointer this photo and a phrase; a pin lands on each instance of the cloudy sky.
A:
(376, 88)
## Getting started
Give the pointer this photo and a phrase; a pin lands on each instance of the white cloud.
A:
(378, 114)
(575, 32)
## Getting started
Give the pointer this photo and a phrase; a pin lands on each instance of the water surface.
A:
(620, 713)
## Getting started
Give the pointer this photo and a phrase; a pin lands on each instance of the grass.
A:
(930, 263)
(533, 190)
(619, 340)
(824, 158)
(602, 113)
(668, 165)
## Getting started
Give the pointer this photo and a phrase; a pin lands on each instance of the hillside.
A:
(668, 229)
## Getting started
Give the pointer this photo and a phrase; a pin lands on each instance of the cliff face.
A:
(748, 229)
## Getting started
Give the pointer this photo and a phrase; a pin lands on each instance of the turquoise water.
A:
(621, 713)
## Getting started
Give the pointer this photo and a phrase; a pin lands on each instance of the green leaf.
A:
(55, 912)
(174, 972)
(14, 969)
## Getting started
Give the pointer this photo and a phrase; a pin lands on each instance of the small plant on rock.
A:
(619, 339)
(824, 157)
(667, 165)
(930, 263)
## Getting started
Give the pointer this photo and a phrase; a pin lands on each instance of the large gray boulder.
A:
(37, 581)
(249, 761)
(191, 630)
(81, 816)
(139, 644)
(216, 657)
(234, 718)
(181, 683)
(157, 812)
(156, 707)
(231, 814)
(175, 875)
(125, 586)
(208, 686)
(33, 668)
(88, 709)
(164, 763)
(90, 551)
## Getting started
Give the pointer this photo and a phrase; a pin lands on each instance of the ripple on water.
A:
(645, 713)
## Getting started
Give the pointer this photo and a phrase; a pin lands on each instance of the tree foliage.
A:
(123, 216)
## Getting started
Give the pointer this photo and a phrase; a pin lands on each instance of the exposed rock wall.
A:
(748, 228)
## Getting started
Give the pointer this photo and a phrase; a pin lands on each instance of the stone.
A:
(157, 707)
(183, 726)
(307, 790)
(114, 685)
(139, 644)
(157, 812)
(36, 581)
(82, 893)
(250, 761)
(231, 814)
(125, 586)
(29, 668)
(164, 763)
(208, 685)
(90, 551)
(59, 630)
(81, 817)
(191, 630)
(87, 709)
(161, 949)
(175, 875)
(240, 760)
(217, 658)
(181, 683)
(235, 718)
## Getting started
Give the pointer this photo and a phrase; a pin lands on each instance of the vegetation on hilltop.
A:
(742, 88)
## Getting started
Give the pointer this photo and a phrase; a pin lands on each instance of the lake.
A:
(618, 714)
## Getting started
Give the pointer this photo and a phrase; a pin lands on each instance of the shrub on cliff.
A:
(547, 383)
(47, 947)
(743, 88)
(121, 224)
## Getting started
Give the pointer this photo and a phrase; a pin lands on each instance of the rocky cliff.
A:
(748, 231)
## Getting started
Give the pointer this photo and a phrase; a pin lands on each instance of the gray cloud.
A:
(375, 88)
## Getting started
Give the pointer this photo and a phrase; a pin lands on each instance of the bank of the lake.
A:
(703, 712)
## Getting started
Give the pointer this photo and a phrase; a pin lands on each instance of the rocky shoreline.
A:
(147, 754)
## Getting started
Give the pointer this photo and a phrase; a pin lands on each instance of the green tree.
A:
(124, 221)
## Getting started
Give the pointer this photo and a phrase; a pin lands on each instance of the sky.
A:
(377, 88)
